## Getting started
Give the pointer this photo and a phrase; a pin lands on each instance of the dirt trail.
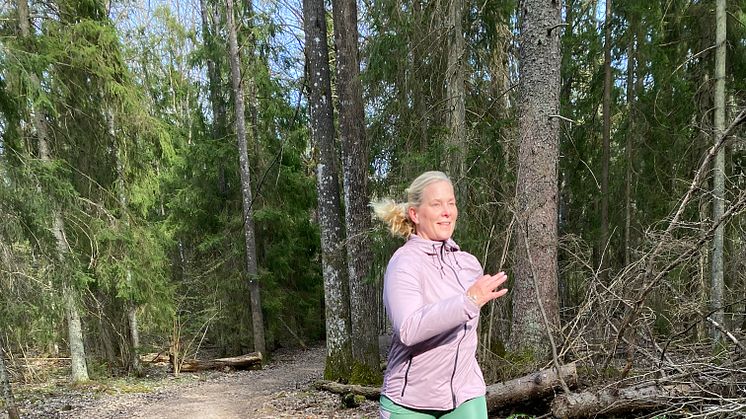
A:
(283, 389)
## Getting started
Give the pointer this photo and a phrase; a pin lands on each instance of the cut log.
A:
(243, 362)
(612, 401)
(372, 393)
(533, 386)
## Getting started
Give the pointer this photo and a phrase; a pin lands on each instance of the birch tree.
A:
(718, 193)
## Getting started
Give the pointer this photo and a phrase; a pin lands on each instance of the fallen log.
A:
(535, 385)
(532, 386)
(243, 362)
(372, 393)
(611, 401)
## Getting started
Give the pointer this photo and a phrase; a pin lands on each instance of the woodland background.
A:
(178, 176)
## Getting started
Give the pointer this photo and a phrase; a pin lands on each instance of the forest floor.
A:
(282, 389)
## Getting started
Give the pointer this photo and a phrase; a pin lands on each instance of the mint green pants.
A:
(471, 409)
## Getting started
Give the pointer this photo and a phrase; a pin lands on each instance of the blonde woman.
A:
(433, 292)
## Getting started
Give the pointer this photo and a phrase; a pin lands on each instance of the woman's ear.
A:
(412, 212)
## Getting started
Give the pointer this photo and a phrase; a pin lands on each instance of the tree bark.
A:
(536, 385)
(631, 128)
(603, 242)
(363, 308)
(243, 362)
(336, 287)
(536, 186)
(240, 126)
(718, 193)
(614, 401)
(10, 402)
(455, 97)
(72, 315)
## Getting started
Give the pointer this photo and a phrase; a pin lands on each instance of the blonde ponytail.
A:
(394, 216)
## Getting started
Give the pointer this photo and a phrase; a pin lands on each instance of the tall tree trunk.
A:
(10, 402)
(215, 86)
(72, 315)
(631, 130)
(250, 246)
(603, 245)
(336, 291)
(417, 76)
(456, 144)
(133, 333)
(535, 288)
(363, 308)
(718, 193)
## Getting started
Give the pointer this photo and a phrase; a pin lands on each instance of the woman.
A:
(433, 292)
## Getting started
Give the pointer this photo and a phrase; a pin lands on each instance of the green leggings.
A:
(471, 409)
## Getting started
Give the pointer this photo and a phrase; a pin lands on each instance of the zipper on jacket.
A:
(455, 364)
(406, 376)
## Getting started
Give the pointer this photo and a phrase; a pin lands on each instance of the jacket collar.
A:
(431, 247)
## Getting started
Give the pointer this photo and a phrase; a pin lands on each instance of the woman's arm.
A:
(413, 319)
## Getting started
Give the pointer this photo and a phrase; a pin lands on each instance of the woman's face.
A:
(435, 218)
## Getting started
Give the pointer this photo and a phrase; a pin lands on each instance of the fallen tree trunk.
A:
(532, 386)
(535, 385)
(243, 362)
(610, 401)
(372, 393)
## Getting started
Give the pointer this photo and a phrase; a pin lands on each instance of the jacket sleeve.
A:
(413, 319)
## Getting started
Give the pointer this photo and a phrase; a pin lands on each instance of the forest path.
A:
(282, 389)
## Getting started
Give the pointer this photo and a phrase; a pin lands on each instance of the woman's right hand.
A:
(485, 289)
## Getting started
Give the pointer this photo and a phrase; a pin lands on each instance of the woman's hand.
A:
(485, 290)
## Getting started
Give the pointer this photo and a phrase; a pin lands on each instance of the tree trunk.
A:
(615, 401)
(533, 386)
(631, 131)
(718, 193)
(363, 308)
(336, 291)
(603, 242)
(456, 144)
(536, 185)
(418, 77)
(250, 245)
(10, 402)
(216, 101)
(132, 333)
(74, 327)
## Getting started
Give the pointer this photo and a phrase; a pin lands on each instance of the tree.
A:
(603, 243)
(248, 218)
(72, 314)
(455, 96)
(336, 291)
(535, 299)
(718, 193)
(363, 308)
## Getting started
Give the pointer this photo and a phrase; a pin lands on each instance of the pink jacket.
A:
(431, 361)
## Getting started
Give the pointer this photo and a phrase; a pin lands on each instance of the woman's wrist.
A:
(473, 298)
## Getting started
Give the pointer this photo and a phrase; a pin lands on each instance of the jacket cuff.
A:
(472, 309)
